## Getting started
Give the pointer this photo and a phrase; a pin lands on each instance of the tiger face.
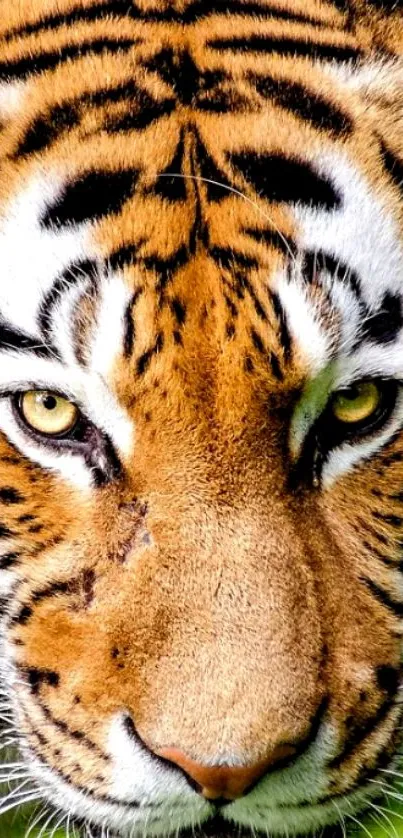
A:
(201, 410)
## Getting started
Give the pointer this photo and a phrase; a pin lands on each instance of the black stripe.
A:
(218, 187)
(170, 184)
(125, 255)
(5, 531)
(76, 15)
(279, 178)
(229, 258)
(127, 9)
(23, 615)
(392, 520)
(304, 103)
(362, 732)
(129, 327)
(26, 611)
(8, 560)
(12, 340)
(383, 597)
(4, 603)
(257, 341)
(53, 590)
(45, 130)
(37, 677)
(286, 46)
(275, 367)
(20, 68)
(316, 261)
(10, 495)
(113, 467)
(393, 165)
(388, 677)
(78, 272)
(367, 528)
(386, 6)
(166, 268)
(285, 335)
(385, 559)
(341, 5)
(91, 197)
(71, 732)
(145, 359)
(179, 310)
(273, 238)
(398, 496)
(147, 111)
(385, 325)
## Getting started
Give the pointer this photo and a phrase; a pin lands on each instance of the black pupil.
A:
(352, 393)
(49, 402)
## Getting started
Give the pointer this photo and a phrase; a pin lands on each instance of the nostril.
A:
(219, 784)
(225, 782)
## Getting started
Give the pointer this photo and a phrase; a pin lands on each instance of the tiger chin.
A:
(201, 414)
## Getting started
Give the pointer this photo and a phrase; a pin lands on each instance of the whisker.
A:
(383, 812)
(36, 820)
(239, 194)
(359, 824)
(57, 825)
(394, 773)
(29, 798)
(11, 778)
(45, 825)
(341, 817)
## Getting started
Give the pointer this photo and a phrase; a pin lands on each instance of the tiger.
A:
(201, 413)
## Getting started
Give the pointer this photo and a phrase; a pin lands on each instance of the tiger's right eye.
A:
(48, 413)
(358, 403)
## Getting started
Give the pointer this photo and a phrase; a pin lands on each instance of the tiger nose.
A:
(225, 781)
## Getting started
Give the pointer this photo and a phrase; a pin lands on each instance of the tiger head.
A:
(200, 412)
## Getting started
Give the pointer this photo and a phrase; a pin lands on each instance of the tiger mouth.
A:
(217, 827)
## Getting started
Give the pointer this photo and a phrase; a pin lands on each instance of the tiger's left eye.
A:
(357, 404)
(47, 412)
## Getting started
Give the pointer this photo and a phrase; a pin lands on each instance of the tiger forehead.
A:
(200, 169)
(209, 321)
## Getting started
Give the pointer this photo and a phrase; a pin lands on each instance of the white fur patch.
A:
(32, 256)
(88, 391)
(114, 297)
(312, 341)
(12, 98)
(361, 233)
(348, 455)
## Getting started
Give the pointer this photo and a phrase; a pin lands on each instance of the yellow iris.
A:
(48, 412)
(357, 403)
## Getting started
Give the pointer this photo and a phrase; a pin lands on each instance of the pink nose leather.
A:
(225, 781)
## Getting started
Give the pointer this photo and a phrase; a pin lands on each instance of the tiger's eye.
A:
(48, 413)
(357, 403)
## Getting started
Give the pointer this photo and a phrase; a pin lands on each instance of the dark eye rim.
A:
(388, 389)
(329, 433)
(86, 440)
(74, 435)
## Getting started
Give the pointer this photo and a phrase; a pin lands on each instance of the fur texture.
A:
(200, 240)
